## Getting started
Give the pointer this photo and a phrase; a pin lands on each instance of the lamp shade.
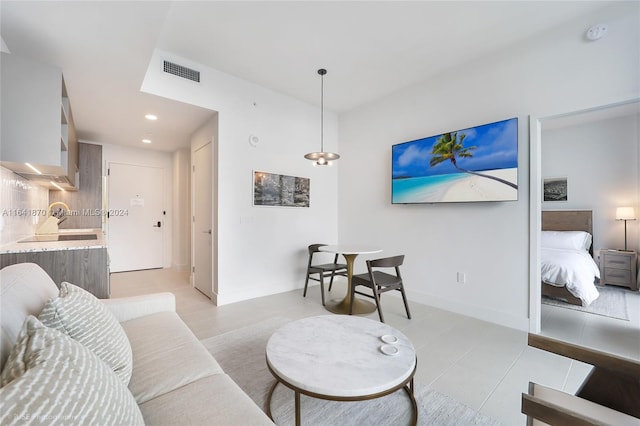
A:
(625, 213)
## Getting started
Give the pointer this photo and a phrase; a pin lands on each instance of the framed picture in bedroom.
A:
(555, 189)
(272, 189)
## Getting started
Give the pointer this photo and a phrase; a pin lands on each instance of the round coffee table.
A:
(341, 358)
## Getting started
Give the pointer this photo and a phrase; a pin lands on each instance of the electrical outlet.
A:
(462, 277)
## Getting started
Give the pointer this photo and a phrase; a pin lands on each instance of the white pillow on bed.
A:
(572, 240)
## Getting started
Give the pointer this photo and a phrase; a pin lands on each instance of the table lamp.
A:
(625, 213)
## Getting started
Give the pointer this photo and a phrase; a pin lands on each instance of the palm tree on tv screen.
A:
(449, 147)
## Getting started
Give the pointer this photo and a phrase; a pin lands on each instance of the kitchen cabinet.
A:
(87, 268)
(88, 197)
(37, 123)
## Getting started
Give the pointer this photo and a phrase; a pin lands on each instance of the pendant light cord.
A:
(322, 112)
(322, 158)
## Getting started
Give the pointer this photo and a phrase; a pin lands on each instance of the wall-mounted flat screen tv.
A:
(470, 165)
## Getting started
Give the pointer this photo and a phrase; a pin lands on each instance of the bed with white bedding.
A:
(568, 270)
(573, 269)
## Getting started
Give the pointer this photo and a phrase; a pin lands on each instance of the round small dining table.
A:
(350, 252)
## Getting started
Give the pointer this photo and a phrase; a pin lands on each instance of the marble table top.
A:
(340, 355)
(350, 249)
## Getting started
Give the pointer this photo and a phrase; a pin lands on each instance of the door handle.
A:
(159, 225)
(207, 232)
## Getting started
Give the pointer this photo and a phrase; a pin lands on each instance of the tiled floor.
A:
(482, 365)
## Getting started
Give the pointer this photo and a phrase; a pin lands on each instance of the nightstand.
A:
(619, 268)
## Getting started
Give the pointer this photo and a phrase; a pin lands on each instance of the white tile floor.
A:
(482, 365)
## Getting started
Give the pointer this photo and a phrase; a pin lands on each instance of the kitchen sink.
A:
(59, 237)
(67, 237)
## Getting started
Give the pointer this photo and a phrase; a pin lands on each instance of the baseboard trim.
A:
(180, 267)
(477, 312)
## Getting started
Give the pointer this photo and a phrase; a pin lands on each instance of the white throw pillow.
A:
(571, 240)
(80, 315)
(50, 379)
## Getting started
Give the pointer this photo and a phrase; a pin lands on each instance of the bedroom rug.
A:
(241, 353)
(612, 302)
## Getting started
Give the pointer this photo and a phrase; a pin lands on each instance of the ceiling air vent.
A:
(181, 71)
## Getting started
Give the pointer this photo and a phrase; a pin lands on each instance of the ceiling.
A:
(370, 49)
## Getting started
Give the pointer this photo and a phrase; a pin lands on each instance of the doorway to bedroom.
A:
(595, 156)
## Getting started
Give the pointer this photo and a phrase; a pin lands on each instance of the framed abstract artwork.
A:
(272, 189)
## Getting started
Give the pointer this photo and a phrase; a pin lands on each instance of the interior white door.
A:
(202, 230)
(136, 217)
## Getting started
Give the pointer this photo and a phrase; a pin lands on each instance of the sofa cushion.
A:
(24, 290)
(166, 355)
(51, 379)
(80, 315)
(212, 400)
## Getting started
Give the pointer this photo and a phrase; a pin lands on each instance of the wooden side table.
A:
(619, 267)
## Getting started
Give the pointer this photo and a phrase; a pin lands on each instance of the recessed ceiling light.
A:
(151, 117)
(146, 140)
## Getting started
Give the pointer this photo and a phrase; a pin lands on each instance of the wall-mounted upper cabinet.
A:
(37, 123)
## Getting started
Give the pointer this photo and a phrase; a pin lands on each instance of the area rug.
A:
(241, 353)
(612, 302)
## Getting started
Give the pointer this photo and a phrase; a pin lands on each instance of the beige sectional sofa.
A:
(174, 380)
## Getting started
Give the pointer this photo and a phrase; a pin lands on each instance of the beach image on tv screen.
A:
(475, 164)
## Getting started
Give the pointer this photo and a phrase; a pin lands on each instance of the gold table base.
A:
(342, 306)
(407, 386)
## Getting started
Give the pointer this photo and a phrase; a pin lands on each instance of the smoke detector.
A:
(597, 32)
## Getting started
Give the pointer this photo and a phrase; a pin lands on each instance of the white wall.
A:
(556, 72)
(261, 250)
(148, 157)
(600, 161)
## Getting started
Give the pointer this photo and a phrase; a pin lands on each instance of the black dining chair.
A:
(322, 270)
(380, 282)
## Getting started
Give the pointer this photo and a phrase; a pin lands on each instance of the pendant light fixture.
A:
(322, 158)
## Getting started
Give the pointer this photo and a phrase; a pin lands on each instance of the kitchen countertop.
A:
(36, 246)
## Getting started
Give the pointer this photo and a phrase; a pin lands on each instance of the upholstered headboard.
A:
(568, 220)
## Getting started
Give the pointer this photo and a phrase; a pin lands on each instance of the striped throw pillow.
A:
(50, 379)
(80, 315)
